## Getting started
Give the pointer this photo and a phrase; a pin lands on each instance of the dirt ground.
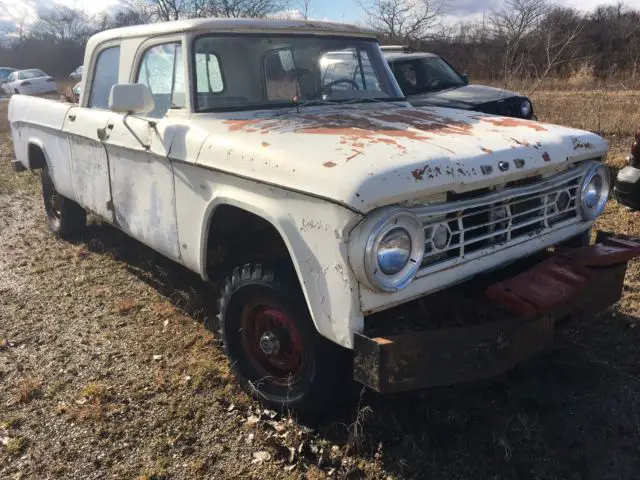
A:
(106, 371)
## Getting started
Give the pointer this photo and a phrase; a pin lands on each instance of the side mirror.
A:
(131, 98)
(465, 78)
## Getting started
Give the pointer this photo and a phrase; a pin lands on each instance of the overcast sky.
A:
(338, 10)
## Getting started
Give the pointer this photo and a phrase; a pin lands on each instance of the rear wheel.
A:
(65, 217)
(273, 346)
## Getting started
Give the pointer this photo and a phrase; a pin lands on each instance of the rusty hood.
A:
(366, 157)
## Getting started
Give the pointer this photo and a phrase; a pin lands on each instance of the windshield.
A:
(425, 75)
(30, 74)
(249, 71)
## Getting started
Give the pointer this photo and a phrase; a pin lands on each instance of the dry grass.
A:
(29, 389)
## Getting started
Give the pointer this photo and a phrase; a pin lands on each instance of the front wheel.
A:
(65, 217)
(274, 349)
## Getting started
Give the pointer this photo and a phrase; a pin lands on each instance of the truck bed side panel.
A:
(38, 121)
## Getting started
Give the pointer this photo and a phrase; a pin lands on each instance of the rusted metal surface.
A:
(447, 356)
(562, 278)
(392, 363)
(541, 289)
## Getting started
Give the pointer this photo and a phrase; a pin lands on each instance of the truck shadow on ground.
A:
(572, 412)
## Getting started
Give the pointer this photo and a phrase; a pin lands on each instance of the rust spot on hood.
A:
(513, 122)
(546, 157)
(430, 172)
(265, 144)
(329, 164)
(486, 150)
(524, 143)
(581, 145)
(359, 129)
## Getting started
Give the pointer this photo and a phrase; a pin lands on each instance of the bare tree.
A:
(304, 7)
(246, 8)
(403, 19)
(512, 24)
(165, 10)
(19, 14)
(558, 33)
(63, 24)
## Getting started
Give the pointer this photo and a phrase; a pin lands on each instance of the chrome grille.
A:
(499, 219)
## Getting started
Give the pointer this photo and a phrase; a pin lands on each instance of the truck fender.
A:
(312, 277)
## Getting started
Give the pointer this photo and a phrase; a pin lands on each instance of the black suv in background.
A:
(429, 80)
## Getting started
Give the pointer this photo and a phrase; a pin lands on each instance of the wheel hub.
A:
(272, 343)
(269, 343)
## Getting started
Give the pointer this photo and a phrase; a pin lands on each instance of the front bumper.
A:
(513, 319)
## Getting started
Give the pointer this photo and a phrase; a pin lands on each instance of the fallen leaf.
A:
(231, 408)
(157, 357)
(252, 420)
(4, 440)
(261, 457)
(277, 426)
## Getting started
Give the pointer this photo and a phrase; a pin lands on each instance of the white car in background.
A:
(29, 82)
(77, 73)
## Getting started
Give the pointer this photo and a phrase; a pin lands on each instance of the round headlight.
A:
(394, 251)
(525, 108)
(594, 191)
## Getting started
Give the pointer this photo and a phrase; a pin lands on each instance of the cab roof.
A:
(395, 56)
(230, 25)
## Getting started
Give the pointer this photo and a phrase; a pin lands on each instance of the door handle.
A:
(72, 118)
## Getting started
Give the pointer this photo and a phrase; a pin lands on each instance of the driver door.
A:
(138, 149)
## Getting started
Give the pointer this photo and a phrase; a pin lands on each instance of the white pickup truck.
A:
(281, 160)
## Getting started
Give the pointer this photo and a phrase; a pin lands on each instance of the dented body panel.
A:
(316, 174)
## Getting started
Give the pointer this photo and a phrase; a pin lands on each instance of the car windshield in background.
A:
(25, 74)
(245, 72)
(425, 75)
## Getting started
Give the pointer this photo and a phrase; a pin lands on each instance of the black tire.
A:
(305, 372)
(65, 217)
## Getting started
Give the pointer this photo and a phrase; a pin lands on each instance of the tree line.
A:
(530, 39)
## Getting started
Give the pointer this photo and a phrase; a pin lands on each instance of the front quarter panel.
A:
(314, 231)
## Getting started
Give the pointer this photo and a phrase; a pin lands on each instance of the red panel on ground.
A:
(557, 280)
(539, 290)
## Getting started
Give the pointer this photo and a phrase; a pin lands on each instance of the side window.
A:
(208, 74)
(162, 71)
(105, 76)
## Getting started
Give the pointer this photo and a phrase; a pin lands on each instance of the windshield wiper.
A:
(313, 103)
(374, 100)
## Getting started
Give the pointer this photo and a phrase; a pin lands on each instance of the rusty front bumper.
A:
(569, 284)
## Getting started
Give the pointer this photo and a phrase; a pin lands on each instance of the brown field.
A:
(106, 370)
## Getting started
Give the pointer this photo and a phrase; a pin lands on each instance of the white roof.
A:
(240, 25)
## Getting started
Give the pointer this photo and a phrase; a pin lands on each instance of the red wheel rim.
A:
(273, 344)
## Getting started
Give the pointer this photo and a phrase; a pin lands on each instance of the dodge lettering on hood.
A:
(351, 234)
